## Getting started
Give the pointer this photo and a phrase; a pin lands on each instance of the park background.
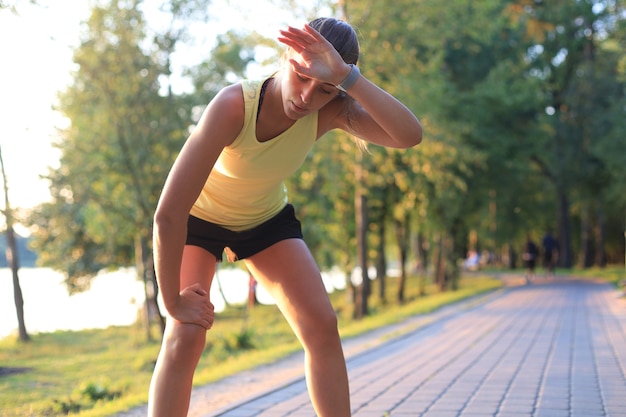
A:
(522, 104)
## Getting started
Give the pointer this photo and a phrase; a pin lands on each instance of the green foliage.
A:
(483, 77)
(112, 155)
(96, 392)
(123, 138)
(243, 340)
(85, 399)
(64, 407)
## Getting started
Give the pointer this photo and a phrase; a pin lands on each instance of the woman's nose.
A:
(307, 93)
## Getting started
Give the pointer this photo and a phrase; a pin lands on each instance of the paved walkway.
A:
(549, 349)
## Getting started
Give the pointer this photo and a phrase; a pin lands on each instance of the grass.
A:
(613, 274)
(95, 373)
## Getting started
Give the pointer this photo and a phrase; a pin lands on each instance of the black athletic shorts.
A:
(245, 243)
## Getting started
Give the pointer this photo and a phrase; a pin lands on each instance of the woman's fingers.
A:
(196, 308)
(302, 36)
(301, 39)
(318, 59)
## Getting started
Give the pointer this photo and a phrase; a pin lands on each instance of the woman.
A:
(225, 192)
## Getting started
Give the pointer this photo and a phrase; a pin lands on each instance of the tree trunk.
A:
(145, 272)
(421, 268)
(352, 293)
(586, 244)
(153, 286)
(456, 239)
(381, 262)
(219, 286)
(13, 258)
(361, 232)
(600, 252)
(402, 236)
(565, 245)
(421, 253)
(141, 274)
(440, 267)
(512, 255)
(361, 221)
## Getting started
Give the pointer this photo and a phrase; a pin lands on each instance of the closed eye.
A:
(324, 88)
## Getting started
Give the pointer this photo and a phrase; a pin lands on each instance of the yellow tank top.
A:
(246, 186)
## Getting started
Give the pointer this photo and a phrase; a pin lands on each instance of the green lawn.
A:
(103, 372)
(613, 274)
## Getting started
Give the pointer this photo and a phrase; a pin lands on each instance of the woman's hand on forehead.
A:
(319, 59)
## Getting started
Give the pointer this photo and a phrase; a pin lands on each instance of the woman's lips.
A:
(298, 109)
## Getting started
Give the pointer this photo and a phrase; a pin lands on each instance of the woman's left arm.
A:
(380, 118)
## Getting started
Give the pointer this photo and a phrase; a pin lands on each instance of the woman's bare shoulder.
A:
(229, 100)
(224, 115)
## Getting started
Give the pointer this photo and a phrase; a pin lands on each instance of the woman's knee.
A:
(184, 340)
(321, 329)
(328, 320)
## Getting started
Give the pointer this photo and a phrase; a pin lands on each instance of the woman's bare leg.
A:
(170, 389)
(288, 271)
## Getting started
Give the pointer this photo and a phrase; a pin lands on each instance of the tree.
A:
(123, 137)
(578, 81)
(410, 64)
(491, 77)
(12, 257)
(494, 165)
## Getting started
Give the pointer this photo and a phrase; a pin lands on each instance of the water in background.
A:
(113, 299)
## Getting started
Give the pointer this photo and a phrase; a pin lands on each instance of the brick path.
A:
(549, 349)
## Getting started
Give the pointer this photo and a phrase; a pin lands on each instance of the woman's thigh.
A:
(197, 267)
(184, 341)
(289, 273)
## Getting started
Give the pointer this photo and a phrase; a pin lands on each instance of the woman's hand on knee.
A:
(194, 307)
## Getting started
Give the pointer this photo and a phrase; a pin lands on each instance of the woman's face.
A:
(302, 95)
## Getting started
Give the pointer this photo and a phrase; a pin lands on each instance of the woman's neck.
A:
(272, 120)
